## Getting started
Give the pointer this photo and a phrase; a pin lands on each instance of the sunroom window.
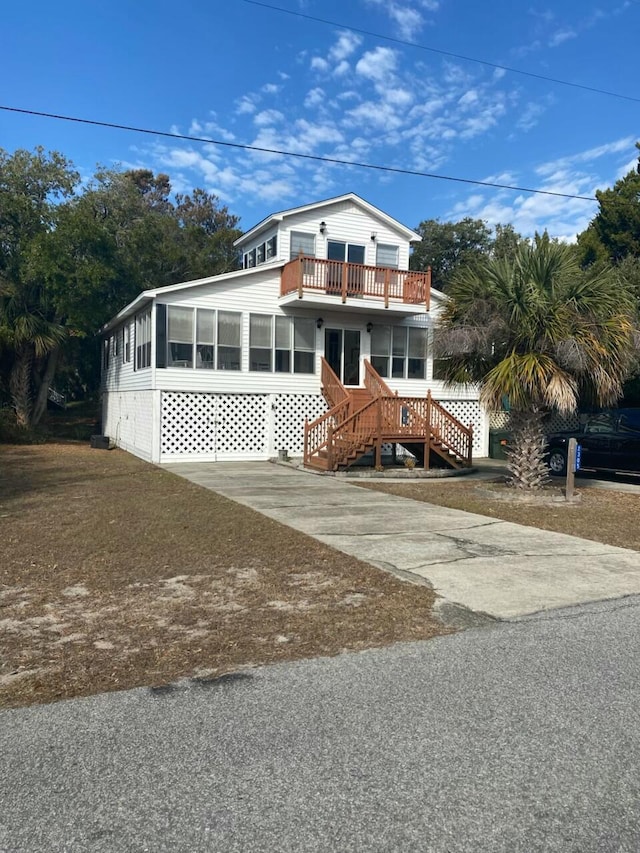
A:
(205, 338)
(283, 345)
(304, 345)
(381, 349)
(179, 336)
(143, 340)
(260, 341)
(229, 329)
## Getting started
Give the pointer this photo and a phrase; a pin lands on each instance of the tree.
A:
(542, 333)
(506, 242)
(208, 233)
(32, 185)
(614, 232)
(70, 260)
(447, 246)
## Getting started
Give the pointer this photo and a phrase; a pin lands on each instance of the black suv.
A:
(610, 441)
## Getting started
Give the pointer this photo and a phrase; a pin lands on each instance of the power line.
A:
(314, 157)
(441, 52)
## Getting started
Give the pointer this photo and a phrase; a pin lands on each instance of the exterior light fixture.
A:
(373, 236)
(319, 322)
(323, 227)
(369, 327)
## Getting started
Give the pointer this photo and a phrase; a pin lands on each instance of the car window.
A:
(629, 422)
(600, 423)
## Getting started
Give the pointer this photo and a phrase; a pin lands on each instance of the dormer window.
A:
(261, 253)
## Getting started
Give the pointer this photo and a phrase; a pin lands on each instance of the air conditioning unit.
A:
(101, 442)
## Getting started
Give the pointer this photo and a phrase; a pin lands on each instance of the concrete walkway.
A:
(489, 566)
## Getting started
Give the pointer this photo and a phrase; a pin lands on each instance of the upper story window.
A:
(350, 252)
(302, 243)
(386, 256)
(262, 253)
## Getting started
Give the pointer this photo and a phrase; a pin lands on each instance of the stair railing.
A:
(333, 389)
(318, 435)
(452, 435)
(374, 383)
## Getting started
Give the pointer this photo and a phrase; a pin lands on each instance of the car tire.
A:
(557, 462)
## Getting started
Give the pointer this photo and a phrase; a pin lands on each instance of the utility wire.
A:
(314, 157)
(444, 52)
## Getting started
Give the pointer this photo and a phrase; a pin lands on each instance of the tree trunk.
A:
(529, 471)
(40, 405)
(20, 386)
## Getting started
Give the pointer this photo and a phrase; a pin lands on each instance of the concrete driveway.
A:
(472, 561)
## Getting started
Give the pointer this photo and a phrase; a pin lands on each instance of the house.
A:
(324, 313)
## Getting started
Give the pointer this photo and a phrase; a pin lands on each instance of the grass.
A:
(116, 574)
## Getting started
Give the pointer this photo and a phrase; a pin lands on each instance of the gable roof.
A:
(274, 218)
(146, 297)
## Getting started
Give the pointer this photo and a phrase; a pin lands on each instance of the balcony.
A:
(323, 283)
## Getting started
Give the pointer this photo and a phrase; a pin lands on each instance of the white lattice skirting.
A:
(234, 426)
(219, 427)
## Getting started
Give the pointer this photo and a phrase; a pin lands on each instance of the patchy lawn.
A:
(603, 516)
(116, 574)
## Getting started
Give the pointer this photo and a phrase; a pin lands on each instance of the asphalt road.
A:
(516, 737)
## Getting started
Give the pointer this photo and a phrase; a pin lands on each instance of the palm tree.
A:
(541, 333)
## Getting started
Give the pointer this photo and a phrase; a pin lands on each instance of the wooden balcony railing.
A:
(338, 278)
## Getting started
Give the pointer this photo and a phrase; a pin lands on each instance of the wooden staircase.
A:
(360, 420)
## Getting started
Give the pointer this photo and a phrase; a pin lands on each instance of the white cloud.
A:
(624, 170)
(398, 96)
(409, 18)
(378, 64)
(315, 97)
(267, 117)
(530, 115)
(346, 44)
(616, 147)
(271, 88)
(246, 104)
(376, 114)
(469, 99)
(319, 64)
(561, 36)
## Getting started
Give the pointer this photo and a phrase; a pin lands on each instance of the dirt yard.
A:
(116, 574)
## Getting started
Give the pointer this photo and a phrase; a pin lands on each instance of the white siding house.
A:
(229, 367)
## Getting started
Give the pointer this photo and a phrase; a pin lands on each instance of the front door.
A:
(342, 351)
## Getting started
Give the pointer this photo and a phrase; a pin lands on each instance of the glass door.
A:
(339, 253)
(342, 351)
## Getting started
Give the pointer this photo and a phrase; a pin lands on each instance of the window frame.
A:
(142, 331)
(259, 348)
(293, 255)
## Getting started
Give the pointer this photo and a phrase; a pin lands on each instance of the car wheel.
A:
(558, 463)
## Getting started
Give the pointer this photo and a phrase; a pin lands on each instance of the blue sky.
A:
(238, 72)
